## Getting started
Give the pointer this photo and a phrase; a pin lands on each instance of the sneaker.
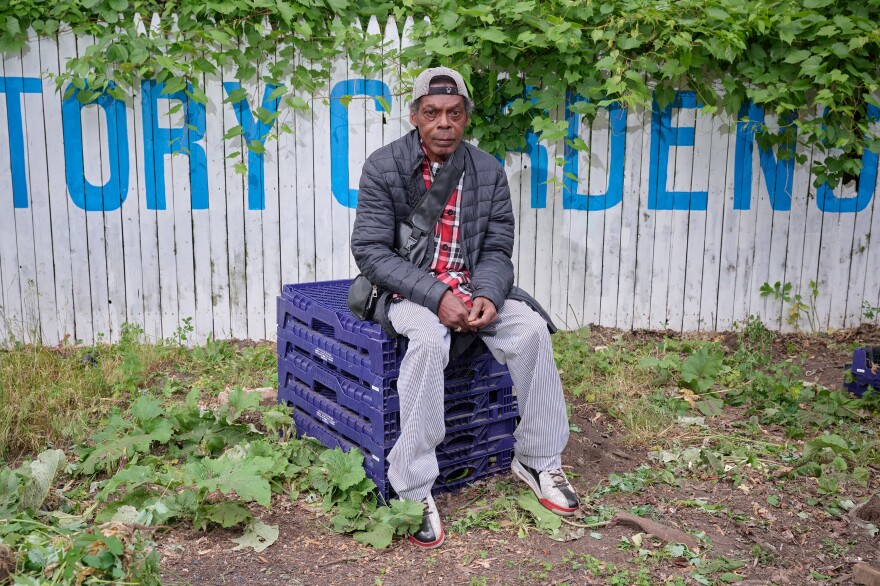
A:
(430, 533)
(550, 486)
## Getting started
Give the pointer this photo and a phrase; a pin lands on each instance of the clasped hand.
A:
(454, 313)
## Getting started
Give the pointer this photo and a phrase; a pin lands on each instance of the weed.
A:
(870, 312)
(800, 307)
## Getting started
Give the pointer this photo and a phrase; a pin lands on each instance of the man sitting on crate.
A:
(464, 284)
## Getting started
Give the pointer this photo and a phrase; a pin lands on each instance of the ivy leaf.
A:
(797, 56)
(493, 35)
(717, 13)
(233, 132)
(118, 5)
(235, 96)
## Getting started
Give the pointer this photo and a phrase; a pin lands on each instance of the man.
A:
(464, 284)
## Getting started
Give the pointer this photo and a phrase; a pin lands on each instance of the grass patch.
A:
(53, 396)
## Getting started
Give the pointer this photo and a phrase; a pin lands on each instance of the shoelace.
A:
(559, 479)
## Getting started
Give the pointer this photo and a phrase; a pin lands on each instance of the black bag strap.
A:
(424, 216)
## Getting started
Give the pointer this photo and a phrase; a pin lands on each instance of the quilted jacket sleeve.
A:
(492, 277)
(372, 238)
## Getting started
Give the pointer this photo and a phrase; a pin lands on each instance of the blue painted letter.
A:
(663, 136)
(339, 132)
(13, 87)
(160, 141)
(538, 156)
(254, 130)
(828, 202)
(86, 196)
(571, 199)
(778, 174)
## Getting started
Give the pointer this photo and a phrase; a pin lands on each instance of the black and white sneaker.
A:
(550, 486)
(430, 533)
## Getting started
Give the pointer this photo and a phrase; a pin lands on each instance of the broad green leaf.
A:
(797, 56)
(243, 477)
(378, 536)
(717, 13)
(345, 469)
(701, 368)
(228, 513)
(493, 34)
(146, 408)
(40, 475)
(257, 535)
(710, 406)
(544, 519)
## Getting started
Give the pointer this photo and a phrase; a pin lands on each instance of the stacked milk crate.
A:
(339, 376)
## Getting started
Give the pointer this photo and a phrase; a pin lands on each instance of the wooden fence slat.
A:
(683, 181)
(24, 223)
(662, 237)
(288, 226)
(578, 222)
(701, 166)
(746, 243)
(596, 185)
(551, 270)
(629, 228)
(871, 295)
(306, 205)
(82, 300)
(645, 234)
(801, 201)
(11, 314)
(717, 210)
(861, 261)
(215, 152)
(64, 310)
(326, 265)
(38, 193)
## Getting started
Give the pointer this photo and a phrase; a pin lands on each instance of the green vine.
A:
(812, 58)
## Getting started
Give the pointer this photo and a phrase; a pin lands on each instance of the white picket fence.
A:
(100, 225)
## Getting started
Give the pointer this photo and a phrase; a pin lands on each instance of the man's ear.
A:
(412, 119)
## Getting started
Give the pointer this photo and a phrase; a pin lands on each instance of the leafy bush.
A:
(789, 57)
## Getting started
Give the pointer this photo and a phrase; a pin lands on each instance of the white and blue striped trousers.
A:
(519, 338)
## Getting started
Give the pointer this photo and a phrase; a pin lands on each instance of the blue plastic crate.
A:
(491, 458)
(864, 369)
(350, 394)
(376, 429)
(322, 307)
(338, 358)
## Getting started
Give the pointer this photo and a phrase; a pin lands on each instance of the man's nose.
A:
(444, 121)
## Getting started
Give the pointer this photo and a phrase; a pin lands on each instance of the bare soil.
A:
(791, 542)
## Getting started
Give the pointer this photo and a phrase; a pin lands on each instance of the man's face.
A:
(441, 120)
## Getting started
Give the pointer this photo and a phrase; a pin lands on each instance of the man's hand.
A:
(482, 313)
(453, 312)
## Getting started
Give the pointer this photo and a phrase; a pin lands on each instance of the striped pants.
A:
(519, 338)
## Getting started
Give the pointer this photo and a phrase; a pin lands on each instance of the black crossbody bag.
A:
(413, 234)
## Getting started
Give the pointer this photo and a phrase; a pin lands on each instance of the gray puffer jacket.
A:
(391, 184)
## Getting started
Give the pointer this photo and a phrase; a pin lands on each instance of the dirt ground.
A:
(801, 544)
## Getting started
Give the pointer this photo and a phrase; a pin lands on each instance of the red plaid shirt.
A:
(448, 263)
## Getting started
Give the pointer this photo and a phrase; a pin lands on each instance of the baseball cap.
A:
(422, 85)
